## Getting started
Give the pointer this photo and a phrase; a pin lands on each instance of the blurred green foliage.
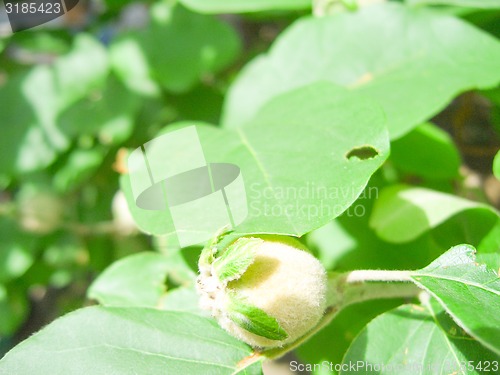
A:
(78, 93)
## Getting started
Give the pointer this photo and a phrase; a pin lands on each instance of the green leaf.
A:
(79, 166)
(129, 62)
(127, 341)
(17, 250)
(489, 248)
(177, 50)
(403, 213)
(13, 309)
(240, 6)
(208, 108)
(438, 157)
(236, 259)
(253, 319)
(151, 222)
(31, 101)
(468, 291)
(344, 328)
(481, 4)
(137, 280)
(182, 299)
(210, 250)
(108, 113)
(496, 166)
(287, 189)
(84, 69)
(116, 4)
(413, 61)
(416, 340)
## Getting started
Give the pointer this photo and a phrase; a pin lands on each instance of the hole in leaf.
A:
(362, 153)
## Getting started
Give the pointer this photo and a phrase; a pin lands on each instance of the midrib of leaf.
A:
(458, 280)
(438, 326)
(246, 143)
(407, 339)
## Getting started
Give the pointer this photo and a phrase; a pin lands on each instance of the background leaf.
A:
(403, 213)
(138, 280)
(438, 157)
(496, 165)
(17, 250)
(482, 4)
(412, 339)
(182, 299)
(180, 48)
(468, 291)
(14, 307)
(413, 61)
(108, 113)
(127, 341)
(223, 6)
(30, 137)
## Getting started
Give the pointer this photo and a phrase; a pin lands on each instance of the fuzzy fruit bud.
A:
(267, 291)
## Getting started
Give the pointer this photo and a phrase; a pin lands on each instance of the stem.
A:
(360, 292)
(377, 275)
(102, 228)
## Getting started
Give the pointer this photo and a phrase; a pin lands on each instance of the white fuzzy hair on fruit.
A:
(285, 281)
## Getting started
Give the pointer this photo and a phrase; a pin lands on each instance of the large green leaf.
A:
(302, 159)
(138, 280)
(177, 50)
(127, 341)
(413, 61)
(31, 101)
(224, 6)
(416, 340)
(403, 213)
(468, 291)
(483, 4)
(438, 156)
